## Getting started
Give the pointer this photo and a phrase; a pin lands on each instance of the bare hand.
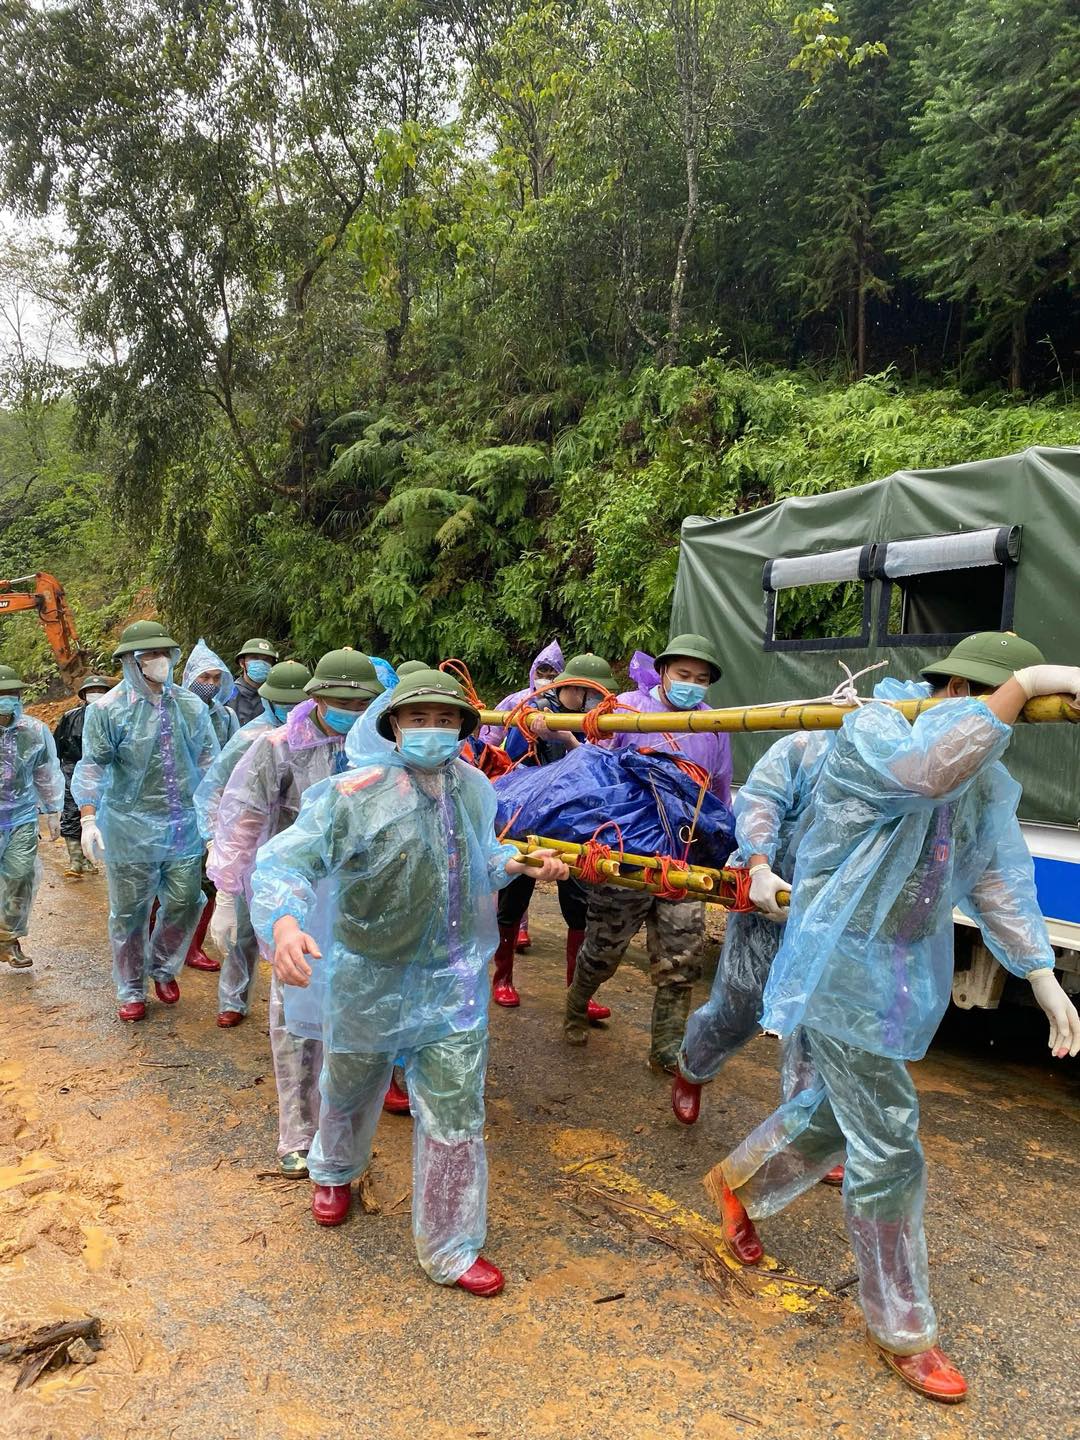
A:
(552, 866)
(291, 944)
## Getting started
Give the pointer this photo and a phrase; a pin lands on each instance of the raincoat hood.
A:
(643, 672)
(203, 658)
(302, 731)
(550, 655)
(135, 680)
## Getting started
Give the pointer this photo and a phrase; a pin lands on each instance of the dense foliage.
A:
(423, 325)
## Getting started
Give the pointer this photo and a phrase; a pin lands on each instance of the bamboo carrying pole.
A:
(1046, 709)
(698, 881)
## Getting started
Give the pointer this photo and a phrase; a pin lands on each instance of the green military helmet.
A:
(144, 635)
(411, 667)
(285, 683)
(691, 647)
(11, 682)
(344, 675)
(988, 658)
(429, 687)
(587, 667)
(257, 648)
(94, 682)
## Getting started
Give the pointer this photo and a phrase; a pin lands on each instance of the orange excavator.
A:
(48, 599)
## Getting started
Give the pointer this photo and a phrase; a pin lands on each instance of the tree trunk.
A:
(682, 256)
(860, 324)
(1016, 354)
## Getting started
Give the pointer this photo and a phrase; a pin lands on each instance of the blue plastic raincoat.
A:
(909, 821)
(31, 781)
(143, 759)
(403, 867)
(224, 720)
(212, 785)
(773, 811)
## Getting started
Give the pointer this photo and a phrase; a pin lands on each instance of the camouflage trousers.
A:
(674, 941)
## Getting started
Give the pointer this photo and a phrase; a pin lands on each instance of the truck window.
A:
(940, 588)
(818, 602)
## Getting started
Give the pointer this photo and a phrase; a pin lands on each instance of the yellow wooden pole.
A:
(1046, 709)
(698, 881)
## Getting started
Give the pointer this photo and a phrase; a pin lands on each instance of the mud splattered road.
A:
(134, 1186)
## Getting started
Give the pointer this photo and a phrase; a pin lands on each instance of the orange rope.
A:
(607, 706)
(460, 671)
(592, 852)
(658, 875)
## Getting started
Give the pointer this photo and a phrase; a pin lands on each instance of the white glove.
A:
(1049, 680)
(224, 923)
(93, 846)
(52, 824)
(1058, 1009)
(764, 888)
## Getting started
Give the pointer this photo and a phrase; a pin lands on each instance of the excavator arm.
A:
(48, 599)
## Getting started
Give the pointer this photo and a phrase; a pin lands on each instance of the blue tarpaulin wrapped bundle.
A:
(647, 795)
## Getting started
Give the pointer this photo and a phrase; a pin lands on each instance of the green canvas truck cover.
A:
(900, 569)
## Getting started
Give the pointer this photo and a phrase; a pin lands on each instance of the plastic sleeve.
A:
(922, 763)
(48, 777)
(244, 816)
(767, 798)
(1004, 903)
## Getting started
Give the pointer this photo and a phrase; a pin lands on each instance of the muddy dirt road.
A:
(134, 1186)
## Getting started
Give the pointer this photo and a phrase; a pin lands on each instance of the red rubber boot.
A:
(835, 1177)
(523, 941)
(685, 1100)
(930, 1372)
(396, 1100)
(481, 1278)
(502, 987)
(739, 1233)
(330, 1204)
(574, 941)
(132, 1010)
(197, 958)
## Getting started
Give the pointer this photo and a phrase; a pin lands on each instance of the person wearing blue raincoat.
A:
(31, 783)
(261, 799)
(773, 811)
(909, 820)
(395, 864)
(230, 928)
(207, 676)
(146, 746)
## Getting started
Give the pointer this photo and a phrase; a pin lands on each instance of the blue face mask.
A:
(428, 749)
(10, 705)
(684, 696)
(257, 670)
(340, 720)
(281, 712)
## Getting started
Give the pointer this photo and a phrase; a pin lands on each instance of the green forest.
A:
(420, 325)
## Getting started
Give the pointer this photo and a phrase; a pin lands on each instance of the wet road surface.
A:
(136, 1183)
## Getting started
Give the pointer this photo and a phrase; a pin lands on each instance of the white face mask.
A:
(157, 668)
